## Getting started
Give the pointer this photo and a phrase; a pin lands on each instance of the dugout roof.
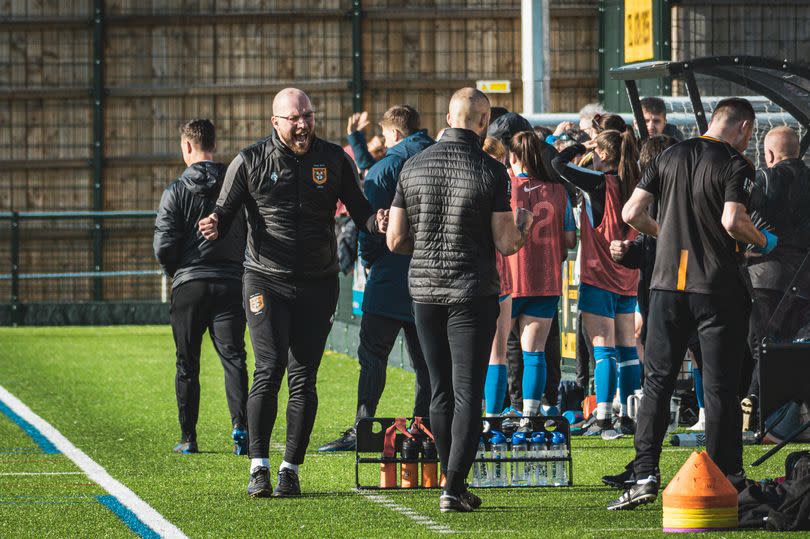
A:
(785, 83)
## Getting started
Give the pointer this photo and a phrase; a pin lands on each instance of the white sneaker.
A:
(701, 422)
(611, 434)
(700, 425)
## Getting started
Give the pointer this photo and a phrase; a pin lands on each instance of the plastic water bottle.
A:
(481, 469)
(497, 471)
(537, 448)
(559, 450)
(543, 474)
(519, 469)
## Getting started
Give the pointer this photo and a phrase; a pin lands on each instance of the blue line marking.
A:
(40, 439)
(127, 517)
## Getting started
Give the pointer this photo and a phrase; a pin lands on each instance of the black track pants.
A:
(289, 324)
(216, 306)
(456, 340)
(722, 325)
(377, 337)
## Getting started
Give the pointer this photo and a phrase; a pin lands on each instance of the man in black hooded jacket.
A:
(206, 285)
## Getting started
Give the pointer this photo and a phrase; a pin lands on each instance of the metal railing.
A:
(53, 251)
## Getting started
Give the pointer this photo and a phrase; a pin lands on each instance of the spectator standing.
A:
(387, 306)
(453, 277)
(206, 284)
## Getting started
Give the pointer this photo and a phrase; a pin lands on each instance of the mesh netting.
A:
(769, 115)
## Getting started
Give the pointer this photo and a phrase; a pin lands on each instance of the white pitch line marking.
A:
(145, 512)
(408, 512)
(42, 473)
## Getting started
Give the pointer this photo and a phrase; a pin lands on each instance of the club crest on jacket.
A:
(319, 175)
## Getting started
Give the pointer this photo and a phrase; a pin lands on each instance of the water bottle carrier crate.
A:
(371, 433)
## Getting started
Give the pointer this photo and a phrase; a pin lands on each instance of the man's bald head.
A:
(290, 98)
(294, 120)
(781, 143)
(469, 109)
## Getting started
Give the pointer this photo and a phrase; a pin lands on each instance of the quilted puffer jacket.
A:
(449, 192)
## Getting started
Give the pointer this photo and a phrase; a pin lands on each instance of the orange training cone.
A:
(699, 498)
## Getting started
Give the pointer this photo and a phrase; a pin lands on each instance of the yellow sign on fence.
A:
(638, 30)
(494, 86)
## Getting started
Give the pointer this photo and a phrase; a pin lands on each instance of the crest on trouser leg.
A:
(257, 303)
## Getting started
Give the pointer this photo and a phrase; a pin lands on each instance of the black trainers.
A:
(625, 425)
(259, 485)
(186, 448)
(622, 480)
(626, 479)
(638, 494)
(346, 442)
(470, 499)
(453, 504)
(288, 485)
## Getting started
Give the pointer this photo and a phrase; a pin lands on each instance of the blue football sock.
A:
(604, 375)
(697, 376)
(629, 370)
(495, 388)
(534, 381)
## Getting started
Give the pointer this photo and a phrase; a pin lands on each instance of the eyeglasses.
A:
(307, 117)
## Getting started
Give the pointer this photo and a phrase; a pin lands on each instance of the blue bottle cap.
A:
(497, 438)
(519, 438)
(558, 438)
(538, 437)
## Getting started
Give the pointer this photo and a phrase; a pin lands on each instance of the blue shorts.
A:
(501, 299)
(537, 306)
(601, 302)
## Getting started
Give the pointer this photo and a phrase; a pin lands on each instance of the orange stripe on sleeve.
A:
(682, 270)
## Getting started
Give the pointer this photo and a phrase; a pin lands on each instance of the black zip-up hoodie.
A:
(180, 248)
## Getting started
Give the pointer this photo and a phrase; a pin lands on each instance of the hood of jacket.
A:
(203, 178)
(411, 145)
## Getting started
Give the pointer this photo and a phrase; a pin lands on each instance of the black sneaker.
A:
(638, 494)
(621, 481)
(453, 504)
(259, 485)
(471, 499)
(186, 448)
(288, 485)
(346, 442)
(626, 479)
(625, 425)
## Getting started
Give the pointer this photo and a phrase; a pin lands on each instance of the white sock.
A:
(702, 415)
(530, 407)
(650, 479)
(602, 410)
(622, 411)
(285, 464)
(255, 464)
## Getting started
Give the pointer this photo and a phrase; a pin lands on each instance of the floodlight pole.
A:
(534, 39)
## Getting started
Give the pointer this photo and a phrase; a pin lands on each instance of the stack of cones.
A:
(700, 498)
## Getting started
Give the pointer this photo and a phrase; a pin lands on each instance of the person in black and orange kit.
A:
(206, 281)
(289, 183)
(702, 186)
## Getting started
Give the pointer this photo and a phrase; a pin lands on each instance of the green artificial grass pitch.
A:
(110, 391)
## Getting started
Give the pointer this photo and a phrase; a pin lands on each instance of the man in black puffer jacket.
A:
(206, 285)
(452, 211)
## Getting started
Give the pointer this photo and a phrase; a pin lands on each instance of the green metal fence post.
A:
(98, 143)
(357, 57)
(16, 314)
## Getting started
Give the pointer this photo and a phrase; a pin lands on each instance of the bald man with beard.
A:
(780, 202)
(289, 184)
(452, 211)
